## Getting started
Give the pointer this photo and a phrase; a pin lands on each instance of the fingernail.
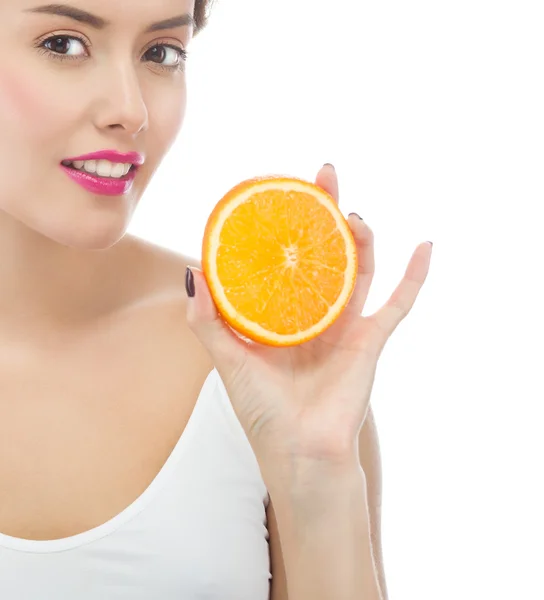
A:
(189, 283)
(329, 165)
(355, 215)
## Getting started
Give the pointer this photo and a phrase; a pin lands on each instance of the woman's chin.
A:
(86, 237)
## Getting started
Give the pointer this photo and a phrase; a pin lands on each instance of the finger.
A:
(327, 179)
(226, 349)
(387, 318)
(364, 241)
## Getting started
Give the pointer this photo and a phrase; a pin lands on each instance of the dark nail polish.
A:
(355, 215)
(189, 283)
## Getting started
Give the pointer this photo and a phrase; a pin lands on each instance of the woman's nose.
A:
(122, 105)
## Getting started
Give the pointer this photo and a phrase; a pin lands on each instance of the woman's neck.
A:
(46, 285)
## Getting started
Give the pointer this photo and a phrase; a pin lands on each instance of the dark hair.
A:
(201, 15)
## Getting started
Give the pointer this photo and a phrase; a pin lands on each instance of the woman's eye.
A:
(170, 57)
(65, 45)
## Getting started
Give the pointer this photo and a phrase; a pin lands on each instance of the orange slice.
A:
(279, 259)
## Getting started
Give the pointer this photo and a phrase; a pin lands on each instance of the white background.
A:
(432, 113)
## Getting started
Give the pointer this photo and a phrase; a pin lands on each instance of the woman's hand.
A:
(309, 401)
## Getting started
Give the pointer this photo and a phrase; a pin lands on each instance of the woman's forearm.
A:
(324, 531)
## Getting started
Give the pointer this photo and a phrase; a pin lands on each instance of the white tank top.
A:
(197, 532)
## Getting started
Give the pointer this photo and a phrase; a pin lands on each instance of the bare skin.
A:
(90, 414)
(99, 371)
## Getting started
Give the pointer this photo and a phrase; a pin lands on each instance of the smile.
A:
(106, 172)
(102, 168)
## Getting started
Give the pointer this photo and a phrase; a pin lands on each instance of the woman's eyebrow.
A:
(82, 16)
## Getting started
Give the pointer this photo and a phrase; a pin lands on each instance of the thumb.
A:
(226, 349)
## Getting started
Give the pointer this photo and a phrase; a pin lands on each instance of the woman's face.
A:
(109, 78)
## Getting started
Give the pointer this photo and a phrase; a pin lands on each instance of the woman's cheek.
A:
(166, 115)
(30, 105)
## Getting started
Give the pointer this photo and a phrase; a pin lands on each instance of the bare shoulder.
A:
(156, 268)
(153, 279)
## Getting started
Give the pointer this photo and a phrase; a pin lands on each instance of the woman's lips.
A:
(103, 186)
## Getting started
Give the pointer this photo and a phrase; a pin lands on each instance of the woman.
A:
(145, 451)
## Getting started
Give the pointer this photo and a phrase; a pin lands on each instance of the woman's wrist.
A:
(302, 479)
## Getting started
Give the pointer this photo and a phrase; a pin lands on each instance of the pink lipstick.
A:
(104, 185)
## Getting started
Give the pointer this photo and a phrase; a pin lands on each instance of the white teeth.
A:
(118, 170)
(102, 168)
(90, 166)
